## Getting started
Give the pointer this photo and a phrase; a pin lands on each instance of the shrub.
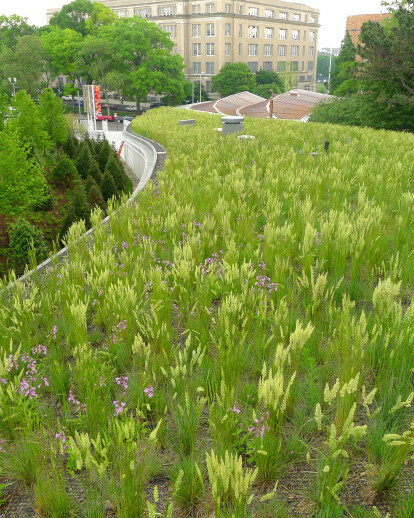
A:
(108, 186)
(80, 203)
(103, 155)
(67, 222)
(95, 196)
(95, 172)
(64, 168)
(70, 147)
(48, 201)
(84, 160)
(21, 237)
(116, 170)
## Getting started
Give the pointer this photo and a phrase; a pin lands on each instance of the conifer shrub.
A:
(104, 151)
(67, 222)
(95, 172)
(25, 241)
(116, 170)
(84, 160)
(70, 147)
(108, 186)
(80, 203)
(64, 169)
(95, 197)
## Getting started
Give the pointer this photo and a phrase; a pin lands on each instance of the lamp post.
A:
(79, 107)
(13, 83)
(201, 73)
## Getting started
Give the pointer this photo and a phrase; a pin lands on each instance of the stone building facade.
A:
(208, 34)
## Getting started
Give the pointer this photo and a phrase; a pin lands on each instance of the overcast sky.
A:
(332, 19)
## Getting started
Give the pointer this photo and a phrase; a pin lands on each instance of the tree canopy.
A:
(234, 78)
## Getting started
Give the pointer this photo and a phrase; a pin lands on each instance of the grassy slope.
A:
(250, 253)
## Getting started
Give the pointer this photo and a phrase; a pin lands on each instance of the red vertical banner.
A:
(98, 108)
(120, 149)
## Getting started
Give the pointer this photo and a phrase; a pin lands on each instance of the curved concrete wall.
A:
(141, 156)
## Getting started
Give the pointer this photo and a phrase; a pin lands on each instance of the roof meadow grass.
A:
(246, 321)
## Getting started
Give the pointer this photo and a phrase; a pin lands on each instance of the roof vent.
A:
(293, 94)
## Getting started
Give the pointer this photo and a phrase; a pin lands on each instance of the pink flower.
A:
(149, 391)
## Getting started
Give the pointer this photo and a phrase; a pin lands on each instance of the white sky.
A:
(332, 18)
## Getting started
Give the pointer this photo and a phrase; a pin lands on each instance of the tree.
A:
(234, 78)
(51, 112)
(95, 195)
(267, 77)
(95, 172)
(103, 154)
(142, 54)
(62, 49)
(345, 66)
(22, 180)
(12, 28)
(28, 124)
(108, 187)
(264, 90)
(101, 15)
(84, 160)
(115, 169)
(25, 62)
(25, 239)
(388, 51)
(80, 204)
(64, 169)
(322, 67)
(73, 16)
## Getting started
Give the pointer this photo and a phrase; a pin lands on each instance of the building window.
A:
(267, 50)
(252, 49)
(253, 66)
(303, 66)
(302, 78)
(240, 31)
(228, 8)
(310, 65)
(209, 86)
(295, 35)
(311, 36)
(209, 67)
(282, 34)
(296, 17)
(209, 29)
(196, 9)
(196, 67)
(310, 77)
(294, 66)
(269, 13)
(307, 87)
(268, 33)
(240, 9)
(311, 51)
(240, 49)
(313, 19)
(175, 50)
(144, 13)
(209, 8)
(209, 49)
(196, 49)
(267, 65)
(282, 50)
(253, 11)
(227, 30)
(167, 11)
(283, 16)
(227, 49)
(294, 50)
(196, 30)
(253, 31)
(172, 29)
(281, 66)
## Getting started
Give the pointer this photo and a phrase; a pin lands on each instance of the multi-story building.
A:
(264, 34)
(355, 22)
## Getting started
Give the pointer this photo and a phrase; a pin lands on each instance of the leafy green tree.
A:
(267, 77)
(25, 239)
(345, 68)
(108, 187)
(84, 160)
(51, 112)
(28, 124)
(388, 52)
(73, 16)
(143, 58)
(25, 62)
(12, 28)
(62, 49)
(234, 78)
(101, 15)
(264, 90)
(22, 180)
